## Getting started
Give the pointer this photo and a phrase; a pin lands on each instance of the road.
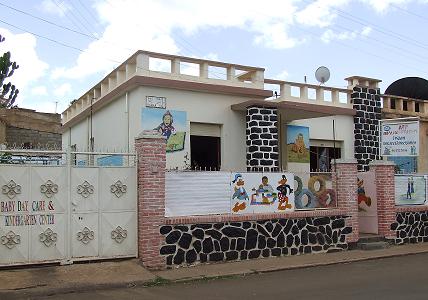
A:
(403, 277)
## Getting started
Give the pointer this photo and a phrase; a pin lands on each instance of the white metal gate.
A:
(66, 213)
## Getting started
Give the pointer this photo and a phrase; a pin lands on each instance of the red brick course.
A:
(151, 153)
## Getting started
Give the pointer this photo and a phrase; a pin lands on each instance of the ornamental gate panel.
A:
(66, 213)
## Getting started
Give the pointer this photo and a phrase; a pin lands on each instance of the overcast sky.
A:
(79, 41)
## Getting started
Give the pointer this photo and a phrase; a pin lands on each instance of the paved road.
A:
(392, 278)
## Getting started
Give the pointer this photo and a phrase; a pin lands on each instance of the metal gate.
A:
(67, 212)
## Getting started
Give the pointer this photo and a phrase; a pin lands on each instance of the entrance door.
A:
(205, 152)
(367, 203)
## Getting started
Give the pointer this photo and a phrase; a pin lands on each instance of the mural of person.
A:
(283, 189)
(410, 188)
(266, 191)
(362, 198)
(166, 128)
(240, 194)
(299, 144)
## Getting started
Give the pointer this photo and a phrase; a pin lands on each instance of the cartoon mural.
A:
(172, 124)
(314, 191)
(410, 189)
(253, 192)
(367, 203)
(298, 144)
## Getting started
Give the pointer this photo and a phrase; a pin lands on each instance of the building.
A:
(26, 128)
(218, 115)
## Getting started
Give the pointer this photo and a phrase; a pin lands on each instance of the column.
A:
(150, 148)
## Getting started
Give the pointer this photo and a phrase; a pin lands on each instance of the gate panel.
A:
(84, 189)
(84, 235)
(15, 214)
(118, 190)
(118, 234)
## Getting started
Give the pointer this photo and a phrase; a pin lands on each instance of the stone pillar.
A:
(366, 101)
(262, 139)
(344, 176)
(385, 196)
(150, 148)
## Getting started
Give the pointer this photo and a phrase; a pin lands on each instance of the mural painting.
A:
(298, 144)
(367, 202)
(258, 192)
(410, 189)
(172, 124)
(314, 191)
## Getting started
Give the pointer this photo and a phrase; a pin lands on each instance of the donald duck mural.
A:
(240, 194)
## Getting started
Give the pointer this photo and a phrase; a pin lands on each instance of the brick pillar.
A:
(344, 176)
(262, 139)
(385, 196)
(151, 152)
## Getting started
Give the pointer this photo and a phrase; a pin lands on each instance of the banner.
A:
(399, 138)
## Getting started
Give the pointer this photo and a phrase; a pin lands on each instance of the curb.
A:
(77, 288)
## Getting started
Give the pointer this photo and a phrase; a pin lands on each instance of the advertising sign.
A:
(399, 138)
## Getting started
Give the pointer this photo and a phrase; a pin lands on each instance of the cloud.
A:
(54, 7)
(62, 90)
(23, 50)
(282, 75)
(330, 35)
(381, 6)
(320, 13)
(39, 91)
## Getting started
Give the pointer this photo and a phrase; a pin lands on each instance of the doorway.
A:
(205, 152)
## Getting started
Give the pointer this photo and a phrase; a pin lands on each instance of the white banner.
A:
(399, 138)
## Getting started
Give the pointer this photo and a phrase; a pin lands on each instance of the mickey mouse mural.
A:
(254, 193)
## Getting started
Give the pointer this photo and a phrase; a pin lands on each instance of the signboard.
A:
(399, 138)
(410, 189)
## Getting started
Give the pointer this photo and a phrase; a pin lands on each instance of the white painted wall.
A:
(322, 129)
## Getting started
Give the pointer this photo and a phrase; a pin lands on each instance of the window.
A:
(392, 103)
(321, 158)
(404, 105)
(205, 152)
(417, 108)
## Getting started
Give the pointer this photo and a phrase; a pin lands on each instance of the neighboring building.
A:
(223, 117)
(404, 98)
(26, 128)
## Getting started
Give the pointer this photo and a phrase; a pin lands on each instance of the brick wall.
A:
(344, 177)
(151, 152)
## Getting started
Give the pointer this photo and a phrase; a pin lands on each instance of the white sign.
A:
(156, 102)
(399, 138)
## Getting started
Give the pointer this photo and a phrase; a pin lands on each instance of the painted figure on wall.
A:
(362, 198)
(240, 194)
(410, 188)
(172, 124)
(284, 190)
(265, 194)
(166, 128)
(298, 144)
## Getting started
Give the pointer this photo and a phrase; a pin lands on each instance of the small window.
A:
(321, 158)
(392, 103)
(405, 105)
(417, 108)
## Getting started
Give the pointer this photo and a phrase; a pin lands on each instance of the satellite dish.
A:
(322, 74)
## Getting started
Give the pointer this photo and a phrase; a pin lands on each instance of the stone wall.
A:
(411, 227)
(212, 242)
(262, 139)
(367, 103)
(31, 138)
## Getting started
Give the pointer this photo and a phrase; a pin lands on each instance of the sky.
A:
(64, 47)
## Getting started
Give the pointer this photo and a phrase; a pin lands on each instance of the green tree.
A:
(8, 91)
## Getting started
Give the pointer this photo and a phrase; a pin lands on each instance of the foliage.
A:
(8, 91)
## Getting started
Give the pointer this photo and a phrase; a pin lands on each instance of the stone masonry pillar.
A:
(262, 139)
(366, 101)
(150, 148)
(385, 196)
(344, 176)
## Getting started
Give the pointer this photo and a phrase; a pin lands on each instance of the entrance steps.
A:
(372, 242)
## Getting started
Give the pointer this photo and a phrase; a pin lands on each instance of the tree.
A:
(8, 91)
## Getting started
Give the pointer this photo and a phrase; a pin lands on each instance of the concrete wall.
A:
(111, 129)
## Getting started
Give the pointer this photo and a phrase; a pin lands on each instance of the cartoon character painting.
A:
(240, 194)
(284, 190)
(362, 198)
(264, 195)
(166, 128)
(410, 188)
